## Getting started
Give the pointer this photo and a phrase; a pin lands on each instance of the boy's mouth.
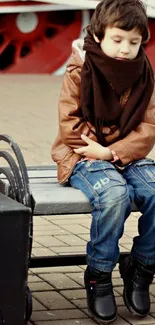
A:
(122, 59)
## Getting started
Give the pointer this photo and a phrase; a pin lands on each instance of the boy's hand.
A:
(93, 150)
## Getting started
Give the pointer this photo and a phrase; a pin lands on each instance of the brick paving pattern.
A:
(29, 114)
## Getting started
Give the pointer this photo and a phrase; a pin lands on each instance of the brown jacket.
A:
(136, 145)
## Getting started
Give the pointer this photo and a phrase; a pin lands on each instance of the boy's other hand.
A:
(93, 150)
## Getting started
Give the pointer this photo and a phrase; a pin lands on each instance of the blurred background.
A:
(36, 37)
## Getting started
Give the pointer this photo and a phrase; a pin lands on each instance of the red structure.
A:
(40, 44)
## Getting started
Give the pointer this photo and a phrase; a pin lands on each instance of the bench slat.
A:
(56, 199)
(43, 173)
(53, 198)
(60, 200)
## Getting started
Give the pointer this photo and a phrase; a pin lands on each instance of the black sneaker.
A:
(100, 296)
(137, 278)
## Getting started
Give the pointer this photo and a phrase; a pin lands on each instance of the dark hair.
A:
(123, 14)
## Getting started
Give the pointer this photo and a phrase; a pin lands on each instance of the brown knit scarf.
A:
(104, 80)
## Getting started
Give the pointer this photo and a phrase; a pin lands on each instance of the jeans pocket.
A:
(146, 168)
(100, 181)
(107, 169)
(143, 162)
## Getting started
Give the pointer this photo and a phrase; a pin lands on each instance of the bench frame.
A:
(64, 260)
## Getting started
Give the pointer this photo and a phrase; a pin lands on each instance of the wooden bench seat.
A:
(53, 198)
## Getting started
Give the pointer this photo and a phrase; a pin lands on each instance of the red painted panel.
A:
(42, 50)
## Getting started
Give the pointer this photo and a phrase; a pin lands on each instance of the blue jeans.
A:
(111, 193)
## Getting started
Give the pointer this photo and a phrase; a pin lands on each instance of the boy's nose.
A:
(125, 51)
(125, 48)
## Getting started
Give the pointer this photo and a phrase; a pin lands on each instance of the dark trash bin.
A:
(14, 258)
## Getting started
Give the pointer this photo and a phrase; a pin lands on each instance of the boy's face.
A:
(120, 44)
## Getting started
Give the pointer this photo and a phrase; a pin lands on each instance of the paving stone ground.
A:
(29, 114)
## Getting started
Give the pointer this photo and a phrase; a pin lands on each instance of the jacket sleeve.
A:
(138, 143)
(71, 122)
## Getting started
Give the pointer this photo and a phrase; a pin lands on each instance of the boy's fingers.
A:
(85, 138)
(79, 150)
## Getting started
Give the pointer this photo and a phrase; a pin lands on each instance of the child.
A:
(106, 129)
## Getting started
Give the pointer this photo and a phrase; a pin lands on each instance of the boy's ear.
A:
(96, 38)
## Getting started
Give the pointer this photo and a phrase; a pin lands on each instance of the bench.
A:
(51, 198)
